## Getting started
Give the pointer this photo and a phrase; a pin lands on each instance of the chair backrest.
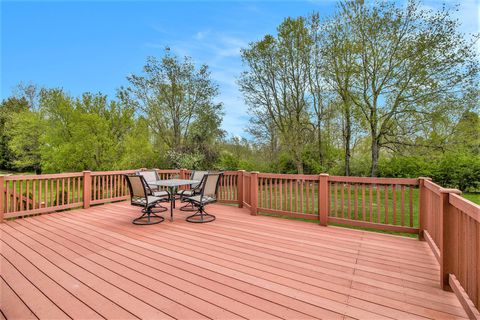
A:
(137, 185)
(149, 175)
(197, 175)
(210, 184)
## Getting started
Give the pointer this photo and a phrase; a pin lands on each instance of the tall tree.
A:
(408, 59)
(337, 69)
(172, 93)
(276, 83)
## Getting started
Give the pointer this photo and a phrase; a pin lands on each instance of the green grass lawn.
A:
(382, 211)
(474, 197)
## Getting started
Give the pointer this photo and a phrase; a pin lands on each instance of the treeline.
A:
(165, 118)
(376, 90)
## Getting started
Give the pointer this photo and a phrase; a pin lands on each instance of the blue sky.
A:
(92, 45)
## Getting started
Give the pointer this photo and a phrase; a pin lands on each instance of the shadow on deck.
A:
(92, 263)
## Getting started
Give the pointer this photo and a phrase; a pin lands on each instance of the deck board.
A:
(91, 263)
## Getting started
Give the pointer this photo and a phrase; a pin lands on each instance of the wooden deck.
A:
(93, 263)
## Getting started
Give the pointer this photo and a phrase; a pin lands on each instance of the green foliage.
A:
(455, 170)
(460, 171)
(84, 133)
(137, 151)
(406, 167)
(24, 132)
(228, 161)
(185, 160)
(9, 108)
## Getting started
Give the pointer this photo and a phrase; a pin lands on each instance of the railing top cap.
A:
(449, 190)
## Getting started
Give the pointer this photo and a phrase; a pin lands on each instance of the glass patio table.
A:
(172, 185)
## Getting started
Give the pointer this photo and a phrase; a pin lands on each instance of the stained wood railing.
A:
(108, 186)
(380, 203)
(449, 223)
(288, 195)
(431, 215)
(246, 194)
(452, 229)
(33, 194)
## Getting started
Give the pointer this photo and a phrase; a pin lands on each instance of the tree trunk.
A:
(347, 134)
(320, 143)
(347, 159)
(375, 155)
(299, 165)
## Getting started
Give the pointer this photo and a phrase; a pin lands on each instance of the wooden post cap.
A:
(449, 190)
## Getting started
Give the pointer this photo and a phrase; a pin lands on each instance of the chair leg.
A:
(188, 207)
(148, 217)
(158, 208)
(201, 216)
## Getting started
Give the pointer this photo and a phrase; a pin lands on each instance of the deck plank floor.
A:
(94, 263)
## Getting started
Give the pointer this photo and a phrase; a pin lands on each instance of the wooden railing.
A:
(108, 186)
(449, 223)
(288, 195)
(34, 194)
(387, 204)
(431, 215)
(245, 198)
(452, 229)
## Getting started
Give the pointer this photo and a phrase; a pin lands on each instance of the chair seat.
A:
(186, 193)
(160, 193)
(202, 200)
(142, 201)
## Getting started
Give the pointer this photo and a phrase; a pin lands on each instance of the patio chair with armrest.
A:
(194, 190)
(141, 196)
(152, 176)
(208, 195)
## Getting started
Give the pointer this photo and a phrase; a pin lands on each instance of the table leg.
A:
(175, 189)
(172, 203)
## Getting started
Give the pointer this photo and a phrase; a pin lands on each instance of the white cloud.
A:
(200, 35)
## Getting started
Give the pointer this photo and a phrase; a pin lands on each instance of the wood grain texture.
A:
(95, 263)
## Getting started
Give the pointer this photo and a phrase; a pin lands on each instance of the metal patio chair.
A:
(141, 196)
(151, 176)
(208, 194)
(193, 191)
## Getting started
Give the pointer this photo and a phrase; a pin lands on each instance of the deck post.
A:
(183, 173)
(2, 196)
(323, 199)
(447, 251)
(422, 203)
(87, 188)
(240, 188)
(253, 193)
